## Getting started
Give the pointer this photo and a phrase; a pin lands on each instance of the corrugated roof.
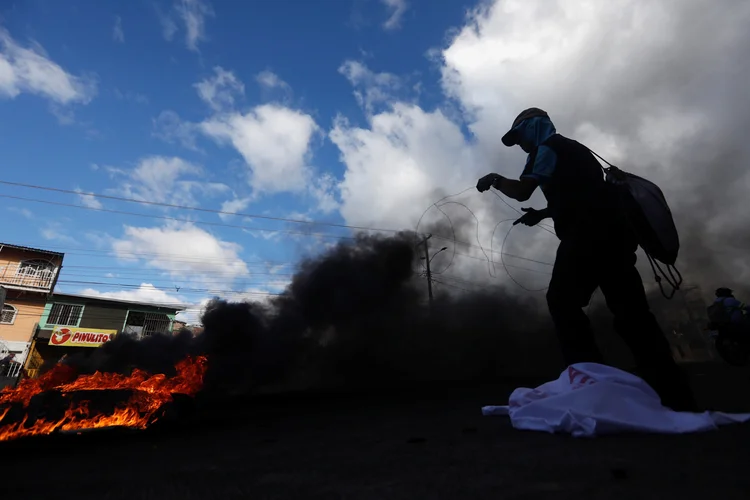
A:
(175, 307)
(31, 249)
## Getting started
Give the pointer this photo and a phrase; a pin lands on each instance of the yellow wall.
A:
(29, 312)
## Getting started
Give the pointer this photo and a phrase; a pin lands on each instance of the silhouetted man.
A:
(596, 250)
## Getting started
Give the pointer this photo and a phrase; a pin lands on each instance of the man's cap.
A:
(511, 137)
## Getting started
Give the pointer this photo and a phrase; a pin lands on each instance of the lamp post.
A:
(427, 259)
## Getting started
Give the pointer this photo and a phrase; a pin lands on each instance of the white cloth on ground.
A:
(590, 399)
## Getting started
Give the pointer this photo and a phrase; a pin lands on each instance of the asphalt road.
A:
(408, 445)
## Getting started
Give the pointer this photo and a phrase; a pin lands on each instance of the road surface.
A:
(409, 445)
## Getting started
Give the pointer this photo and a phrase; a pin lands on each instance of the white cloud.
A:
(23, 212)
(146, 293)
(64, 115)
(88, 201)
(192, 314)
(118, 35)
(397, 8)
(169, 27)
(165, 180)
(394, 168)
(261, 295)
(220, 91)
(324, 190)
(56, 231)
(191, 14)
(643, 54)
(30, 70)
(654, 86)
(273, 140)
(370, 88)
(182, 249)
(170, 128)
(130, 96)
(234, 205)
(270, 80)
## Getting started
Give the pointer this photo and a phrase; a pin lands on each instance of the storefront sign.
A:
(65, 336)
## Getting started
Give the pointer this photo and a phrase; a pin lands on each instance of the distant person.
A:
(728, 312)
(597, 249)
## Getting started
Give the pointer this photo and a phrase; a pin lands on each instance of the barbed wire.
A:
(491, 264)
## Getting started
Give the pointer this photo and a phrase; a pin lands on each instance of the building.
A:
(177, 326)
(73, 323)
(27, 276)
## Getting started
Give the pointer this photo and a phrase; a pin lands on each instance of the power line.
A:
(506, 265)
(198, 209)
(140, 269)
(452, 286)
(182, 290)
(324, 235)
(237, 226)
(185, 275)
(177, 286)
(249, 228)
(453, 280)
(181, 279)
(165, 257)
(177, 219)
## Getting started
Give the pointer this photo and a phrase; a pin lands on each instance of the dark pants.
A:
(580, 268)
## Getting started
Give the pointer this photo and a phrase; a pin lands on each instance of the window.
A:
(65, 314)
(143, 324)
(8, 316)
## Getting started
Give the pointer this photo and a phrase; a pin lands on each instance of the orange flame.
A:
(150, 393)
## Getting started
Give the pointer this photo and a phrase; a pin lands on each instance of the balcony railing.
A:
(21, 275)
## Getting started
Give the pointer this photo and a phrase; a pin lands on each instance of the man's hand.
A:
(487, 182)
(532, 217)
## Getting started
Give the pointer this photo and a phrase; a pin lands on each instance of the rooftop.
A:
(175, 307)
(31, 249)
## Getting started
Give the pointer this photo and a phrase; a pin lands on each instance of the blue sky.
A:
(124, 79)
(358, 112)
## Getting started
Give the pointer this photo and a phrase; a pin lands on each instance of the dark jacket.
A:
(579, 200)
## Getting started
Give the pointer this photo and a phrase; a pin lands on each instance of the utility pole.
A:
(427, 265)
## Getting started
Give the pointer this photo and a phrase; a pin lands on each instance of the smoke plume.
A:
(357, 315)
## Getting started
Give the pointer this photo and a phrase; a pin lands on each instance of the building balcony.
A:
(23, 276)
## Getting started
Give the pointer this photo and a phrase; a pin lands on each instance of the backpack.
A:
(648, 214)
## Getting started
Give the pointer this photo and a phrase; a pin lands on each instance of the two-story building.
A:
(72, 323)
(27, 276)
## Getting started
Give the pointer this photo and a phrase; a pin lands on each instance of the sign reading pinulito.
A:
(63, 336)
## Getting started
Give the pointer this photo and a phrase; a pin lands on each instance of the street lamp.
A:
(435, 254)
(427, 265)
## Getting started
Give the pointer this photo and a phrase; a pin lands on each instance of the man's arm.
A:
(532, 217)
(543, 213)
(520, 190)
(534, 175)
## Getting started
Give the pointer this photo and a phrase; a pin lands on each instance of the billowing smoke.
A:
(358, 315)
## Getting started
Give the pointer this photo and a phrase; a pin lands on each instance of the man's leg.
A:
(570, 289)
(633, 321)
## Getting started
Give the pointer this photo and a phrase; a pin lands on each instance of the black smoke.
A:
(357, 315)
